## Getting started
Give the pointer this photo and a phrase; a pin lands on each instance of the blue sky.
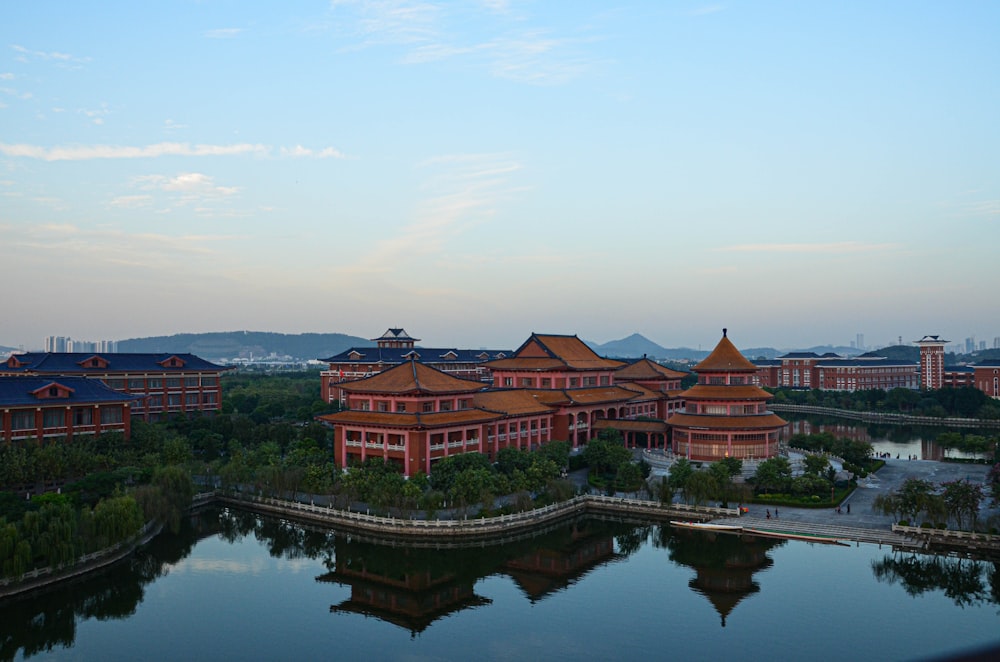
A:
(475, 171)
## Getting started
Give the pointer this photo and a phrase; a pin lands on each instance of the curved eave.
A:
(768, 421)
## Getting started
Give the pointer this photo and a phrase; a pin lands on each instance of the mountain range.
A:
(227, 345)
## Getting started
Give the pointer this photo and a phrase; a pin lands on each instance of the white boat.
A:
(707, 526)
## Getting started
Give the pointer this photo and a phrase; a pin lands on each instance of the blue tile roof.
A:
(57, 363)
(428, 355)
(19, 391)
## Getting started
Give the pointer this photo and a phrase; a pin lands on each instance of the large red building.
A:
(395, 347)
(553, 388)
(725, 413)
(167, 383)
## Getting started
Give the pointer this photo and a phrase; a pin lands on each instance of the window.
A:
(508, 381)
(209, 381)
(117, 384)
(111, 415)
(208, 398)
(190, 381)
(155, 383)
(573, 381)
(401, 406)
(136, 384)
(383, 405)
(22, 420)
(155, 401)
(174, 400)
(83, 416)
(54, 418)
(191, 399)
(428, 407)
(445, 405)
(526, 382)
(546, 382)
(173, 382)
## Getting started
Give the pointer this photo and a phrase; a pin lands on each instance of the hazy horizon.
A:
(473, 172)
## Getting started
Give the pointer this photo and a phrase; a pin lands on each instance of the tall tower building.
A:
(860, 341)
(931, 361)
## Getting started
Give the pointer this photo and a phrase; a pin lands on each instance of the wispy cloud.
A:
(304, 152)
(88, 152)
(112, 247)
(96, 116)
(63, 59)
(17, 94)
(462, 191)
(707, 9)
(839, 247)
(223, 33)
(93, 152)
(6, 76)
(171, 125)
(430, 33)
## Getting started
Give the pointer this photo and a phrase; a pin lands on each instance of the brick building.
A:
(37, 408)
(167, 383)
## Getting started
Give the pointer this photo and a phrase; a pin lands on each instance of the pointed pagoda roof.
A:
(412, 377)
(725, 358)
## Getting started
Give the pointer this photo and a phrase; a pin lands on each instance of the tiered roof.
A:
(646, 370)
(554, 352)
(412, 377)
(725, 358)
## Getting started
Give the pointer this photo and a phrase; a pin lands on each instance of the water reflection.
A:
(964, 581)
(724, 565)
(412, 587)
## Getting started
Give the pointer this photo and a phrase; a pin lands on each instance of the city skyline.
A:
(475, 172)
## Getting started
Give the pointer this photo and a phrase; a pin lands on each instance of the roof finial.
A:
(723, 332)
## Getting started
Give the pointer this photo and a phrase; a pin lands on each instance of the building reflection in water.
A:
(413, 587)
(724, 564)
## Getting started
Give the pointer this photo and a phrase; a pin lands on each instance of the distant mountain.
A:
(247, 344)
(897, 353)
(636, 346)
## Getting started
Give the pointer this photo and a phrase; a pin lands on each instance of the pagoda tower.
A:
(725, 413)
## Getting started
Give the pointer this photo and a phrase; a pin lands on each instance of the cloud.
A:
(463, 190)
(434, 32)
(170, 125)
(223, 33)
(50, 243)
(188, 183)
(840, 247)
(132, 201)
(89, 152)
(94, 152)
(7, 76)
(708, 9)
(17, 94)
(96, 116)
(304, 152)
(63, 59)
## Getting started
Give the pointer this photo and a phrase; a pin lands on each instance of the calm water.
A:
(237, 587)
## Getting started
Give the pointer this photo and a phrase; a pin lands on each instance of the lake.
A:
(233, 585)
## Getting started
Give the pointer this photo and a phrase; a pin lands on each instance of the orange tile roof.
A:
(510, 402)
(646, 369)
(412, 377)
(603, 394)
(526, 364)
(725, 358)
(756, 422)
(640, 390)
(717, 392)
(569, 351)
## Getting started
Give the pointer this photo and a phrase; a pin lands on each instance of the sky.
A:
(799, 172)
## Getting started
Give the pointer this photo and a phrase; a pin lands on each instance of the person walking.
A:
(848, 509)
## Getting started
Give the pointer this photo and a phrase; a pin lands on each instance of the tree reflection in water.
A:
(965, 581)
